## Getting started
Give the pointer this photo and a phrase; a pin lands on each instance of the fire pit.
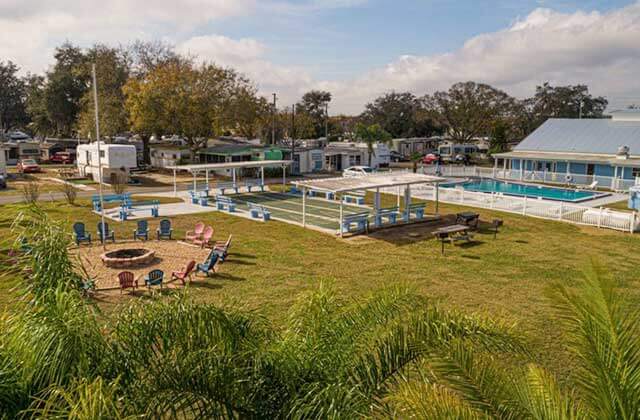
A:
(128, 257)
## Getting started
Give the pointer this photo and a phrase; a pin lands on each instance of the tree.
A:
(571, 101)
(12, 97)
(400, 114)
(247, 113)
(179, 98)
(313, 103)
(470, 109)
(111, 75)
(36, 106)
(371, 135)
(66, 84)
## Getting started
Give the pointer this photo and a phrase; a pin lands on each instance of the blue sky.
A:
(357, 49)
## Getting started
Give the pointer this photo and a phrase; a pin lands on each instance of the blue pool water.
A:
(525, 190)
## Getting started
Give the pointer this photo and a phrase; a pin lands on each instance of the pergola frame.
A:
(367, 183)
(196, 169)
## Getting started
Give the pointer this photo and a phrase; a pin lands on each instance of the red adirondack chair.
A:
(196, 233)
(184, 274)
(127, 281)
(206, 237)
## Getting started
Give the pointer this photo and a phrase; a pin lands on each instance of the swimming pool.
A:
(527, 190)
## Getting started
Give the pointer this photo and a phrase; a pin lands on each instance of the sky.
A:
(357, 49)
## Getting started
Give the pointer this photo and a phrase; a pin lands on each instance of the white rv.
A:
(115, 159)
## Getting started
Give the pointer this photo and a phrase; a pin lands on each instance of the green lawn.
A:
(508, 278)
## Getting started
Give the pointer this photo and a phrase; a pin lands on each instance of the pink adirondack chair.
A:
(185, 273)
(206, 237)
(196, 233)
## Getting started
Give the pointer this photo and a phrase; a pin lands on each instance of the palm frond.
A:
(421, 400)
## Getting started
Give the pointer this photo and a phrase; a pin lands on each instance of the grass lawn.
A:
(619, 205)
(507, 278)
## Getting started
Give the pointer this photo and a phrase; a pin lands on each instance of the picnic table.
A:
(468, 218)
(452, 234)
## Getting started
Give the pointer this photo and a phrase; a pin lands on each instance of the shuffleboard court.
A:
(322, 213)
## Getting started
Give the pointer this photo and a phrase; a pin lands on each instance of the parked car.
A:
(63, 158)
(397, 157)
(354, 171)
(430, 158)
(28, 166)
(3, 181)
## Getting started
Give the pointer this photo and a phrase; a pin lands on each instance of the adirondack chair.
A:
(196, 233)
(154, 278)
(206, 237)
(209, 264)
(164, 230)
(107, 233)
(127, 280)
(81, 234)
(222, 248)
(141, 231)
(185, 273)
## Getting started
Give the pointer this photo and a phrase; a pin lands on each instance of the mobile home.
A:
(115, 159)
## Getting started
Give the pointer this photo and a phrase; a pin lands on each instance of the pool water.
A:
(527, 190)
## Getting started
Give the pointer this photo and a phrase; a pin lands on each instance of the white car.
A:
(354, 171)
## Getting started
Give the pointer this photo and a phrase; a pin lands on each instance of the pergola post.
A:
(262, 175)
(195, 189)
(304, 207)
(175, 187)
(206, 177)
(341, 216)
(407, 196)
(376, 200)
(437, 198)
(284, 177)
(398, 198)
(234, 177)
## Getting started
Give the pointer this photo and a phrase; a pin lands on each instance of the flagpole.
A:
(95, 101)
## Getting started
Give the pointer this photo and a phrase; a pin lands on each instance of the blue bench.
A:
(109, 198)
(257, 211)
(327, 194)
(355, 199)
(360, 220)
(391, 214)
(222, 186)
(294, 190)
(225, 203)
(128, 206)
(250, 185)
(417, 209)
(199, 197)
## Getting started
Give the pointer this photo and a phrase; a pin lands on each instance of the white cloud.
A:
(601, 50)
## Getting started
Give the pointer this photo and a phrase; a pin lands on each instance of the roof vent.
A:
(623, 152)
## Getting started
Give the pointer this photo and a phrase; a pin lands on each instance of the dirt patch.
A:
(169, 256)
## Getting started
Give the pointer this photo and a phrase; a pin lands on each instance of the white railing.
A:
(566, 212)
(616, 184)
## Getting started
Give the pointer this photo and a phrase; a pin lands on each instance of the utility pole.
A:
(326, 121)
(293, 133)
(273, 125)
(95, 100)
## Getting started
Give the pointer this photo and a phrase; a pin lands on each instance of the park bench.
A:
(360, 220)
(251, 184)
(225, 203)
(109, 198)
(129, 206)
(223, 186)
(417, 209)
(258, 211)
(354, 198)
(390, 213)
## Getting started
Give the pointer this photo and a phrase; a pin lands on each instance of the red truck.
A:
(63, 158)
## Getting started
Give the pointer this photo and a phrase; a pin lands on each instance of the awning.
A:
(369, 182)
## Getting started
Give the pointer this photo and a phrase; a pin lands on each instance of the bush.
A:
(69, 191)
(31, 192)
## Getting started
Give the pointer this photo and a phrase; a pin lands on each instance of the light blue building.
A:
(602, 152)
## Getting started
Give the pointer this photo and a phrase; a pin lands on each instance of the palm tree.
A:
(371, 135)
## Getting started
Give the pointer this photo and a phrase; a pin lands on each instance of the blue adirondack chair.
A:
(154, 278)
(209, 264)
(81, 234)
(142, 230)
(164, 230)
(108, 234)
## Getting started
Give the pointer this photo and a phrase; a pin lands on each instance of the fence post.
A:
(633, 222)
(524, 206)
(561, 210)
(600, 217)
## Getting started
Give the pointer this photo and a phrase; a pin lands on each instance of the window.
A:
(635, 172)
(101, 153)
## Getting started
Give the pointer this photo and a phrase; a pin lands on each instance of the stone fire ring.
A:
(128, 257)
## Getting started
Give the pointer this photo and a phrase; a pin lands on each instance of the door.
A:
(591, 169)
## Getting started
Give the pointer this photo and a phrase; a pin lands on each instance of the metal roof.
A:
(596, 136)
(368, 182)
(573, 157)
(230, 165)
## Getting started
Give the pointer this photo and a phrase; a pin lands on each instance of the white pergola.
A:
(199, 168)
(375, 183)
